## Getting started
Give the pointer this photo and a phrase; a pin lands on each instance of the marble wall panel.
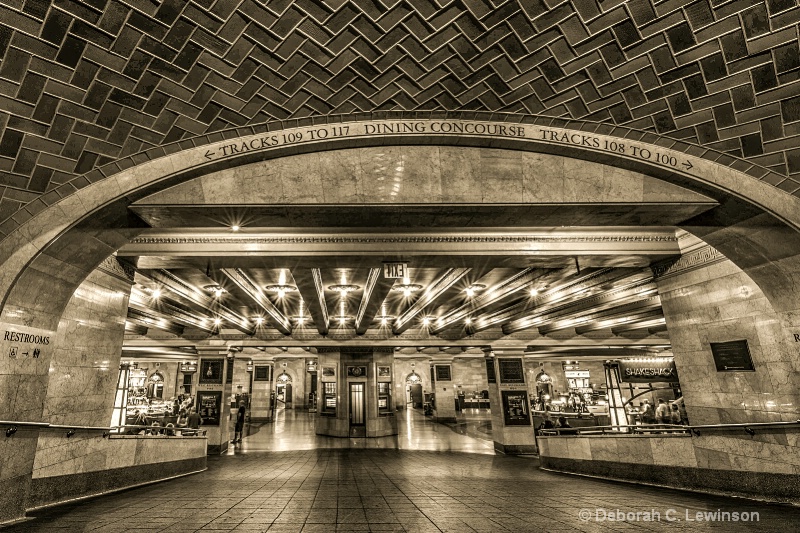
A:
(422, 174)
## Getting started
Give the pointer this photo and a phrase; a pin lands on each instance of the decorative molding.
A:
(702, 257)
(121, 270)
(465, 239)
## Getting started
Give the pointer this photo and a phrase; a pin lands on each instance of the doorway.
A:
(358, 426)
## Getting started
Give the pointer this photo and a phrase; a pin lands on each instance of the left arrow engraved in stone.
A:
(209, 154)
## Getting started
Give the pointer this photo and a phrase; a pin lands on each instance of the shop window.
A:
(329, 399)
(120, 412)
(384, 399)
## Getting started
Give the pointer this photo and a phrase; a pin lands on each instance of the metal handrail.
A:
(13, 425)
(662, 428)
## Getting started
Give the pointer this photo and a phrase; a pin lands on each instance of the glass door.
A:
(358, 410)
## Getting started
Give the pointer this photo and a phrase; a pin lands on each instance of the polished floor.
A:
(278, 481)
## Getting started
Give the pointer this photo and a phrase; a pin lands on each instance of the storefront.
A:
(572, 389)
(640, 385)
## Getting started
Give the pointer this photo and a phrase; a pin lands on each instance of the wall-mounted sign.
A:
(328, 371)
(384, 371)
(733, 356)
(356, 371)
(515, 408)
(189, 368)
(209, 407)
(311, 366)
(576, 374)
(395, 270)
(511, 371)
(443, 373)
(646, 371)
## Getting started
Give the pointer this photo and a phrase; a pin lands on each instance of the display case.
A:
(384, 399)
(328, 407)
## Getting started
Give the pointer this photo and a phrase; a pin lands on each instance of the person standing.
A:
(662, 412)
(647, 412)
(240, 414)
(193, 421)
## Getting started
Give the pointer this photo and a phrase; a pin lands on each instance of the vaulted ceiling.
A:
(83, 83)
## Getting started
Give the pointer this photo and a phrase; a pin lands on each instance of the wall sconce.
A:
(10, 431)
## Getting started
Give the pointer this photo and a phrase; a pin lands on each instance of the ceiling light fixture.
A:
(343, 288)
(235, 227)
(426, 321)
(216, 289)
(281, 289)
(156, 293)
(217, 321)
(475, 287)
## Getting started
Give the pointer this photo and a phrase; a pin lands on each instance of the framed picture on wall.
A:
(443, 373)
(211, 371)
(511, 371)
(384, 371)
(328, 371)
(261, 373)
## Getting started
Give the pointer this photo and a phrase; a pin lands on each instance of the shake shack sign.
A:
(648, 371)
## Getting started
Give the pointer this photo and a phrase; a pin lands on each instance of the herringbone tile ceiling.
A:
(85, 82)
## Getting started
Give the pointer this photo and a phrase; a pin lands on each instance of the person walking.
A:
(240, 414)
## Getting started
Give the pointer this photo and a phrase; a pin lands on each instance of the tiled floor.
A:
(259, 488)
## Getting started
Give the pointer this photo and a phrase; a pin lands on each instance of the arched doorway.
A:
(414, 390)
(283, 391)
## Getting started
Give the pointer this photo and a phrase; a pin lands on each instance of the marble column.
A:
(338, 369)
(213, 396)
(261, 402)
(444, 387)
(512, 429)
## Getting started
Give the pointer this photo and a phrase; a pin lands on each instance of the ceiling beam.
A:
(491, 296)
(249, 287)
(163, 310)
(309, 283)
(434, 291)
(152, 320)
(188, 292)
(653, 326)
(653, 314)
(375, 292)
(579, 291)
(588, 320)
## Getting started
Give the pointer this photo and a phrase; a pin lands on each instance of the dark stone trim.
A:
(54, 490)
(759, 485)
(214, 449)
(515, 449)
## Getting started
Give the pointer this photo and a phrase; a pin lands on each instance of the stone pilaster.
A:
(512, 428)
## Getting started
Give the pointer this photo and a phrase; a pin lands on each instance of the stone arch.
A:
(69, 237)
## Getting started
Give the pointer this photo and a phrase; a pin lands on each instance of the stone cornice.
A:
(119, 269)
(462, 239)
(693, 260)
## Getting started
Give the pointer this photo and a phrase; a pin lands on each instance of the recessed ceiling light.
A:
(235, 227)
(156, 293)
(217, 321)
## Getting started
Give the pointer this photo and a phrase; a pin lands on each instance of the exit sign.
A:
(395, 270)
